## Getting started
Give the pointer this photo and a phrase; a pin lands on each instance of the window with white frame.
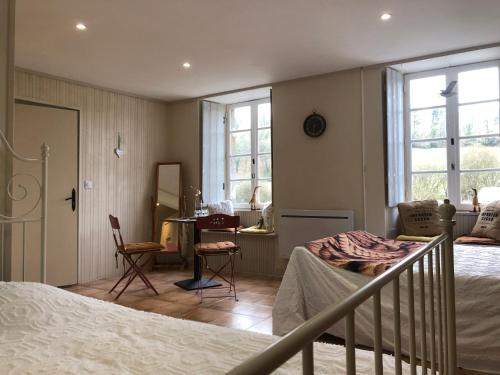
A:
(248, 156)
(452, 133)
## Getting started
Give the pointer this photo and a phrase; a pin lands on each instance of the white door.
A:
(58, 128)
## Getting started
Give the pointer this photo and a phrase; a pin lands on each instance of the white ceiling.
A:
(139, 46)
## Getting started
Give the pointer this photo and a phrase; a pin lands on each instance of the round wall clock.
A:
(314, 125)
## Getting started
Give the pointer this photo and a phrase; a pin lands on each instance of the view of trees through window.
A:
(454, 141)
(249, 156)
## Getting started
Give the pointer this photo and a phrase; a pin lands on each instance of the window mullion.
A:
(407, 142)
(452, 146)
(253, 125)
(227, 123)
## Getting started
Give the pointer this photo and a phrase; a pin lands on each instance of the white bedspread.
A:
(45, 330)
(310, 284)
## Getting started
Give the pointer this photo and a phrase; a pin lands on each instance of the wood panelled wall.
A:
(7, 31)
(121, 186)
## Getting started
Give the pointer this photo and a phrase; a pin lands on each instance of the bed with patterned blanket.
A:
(310, 284)
(46, 330)
(362, 252)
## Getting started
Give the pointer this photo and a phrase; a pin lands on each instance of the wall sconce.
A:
(118, 150)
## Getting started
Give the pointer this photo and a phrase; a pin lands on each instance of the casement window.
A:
(452, 134)
(236, 152)
(248, 152)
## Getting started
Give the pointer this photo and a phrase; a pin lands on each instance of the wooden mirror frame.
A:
(154, 203)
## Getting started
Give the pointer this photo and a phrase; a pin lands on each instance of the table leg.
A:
(196, 259)
(194, 283)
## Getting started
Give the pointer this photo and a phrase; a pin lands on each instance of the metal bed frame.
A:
(440, 299)
(18, 193)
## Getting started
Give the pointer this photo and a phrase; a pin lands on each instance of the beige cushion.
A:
(488, 222)
(404, 237)
(143, 247)
(215, 247)
(419, 218)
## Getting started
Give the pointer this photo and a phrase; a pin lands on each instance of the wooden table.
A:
(194, 283)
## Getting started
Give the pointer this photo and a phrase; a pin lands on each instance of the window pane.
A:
(264, 141)
(264, 114)
(486, 183)
(429, 186)
(265, 191)
(240, 143)
(477, 85)
(264, 164)
(425, 92)
(428, 123)
(241, 191)
(241, 118)
(480, 153)
(479, 119)
(428, 156)
(241, 167)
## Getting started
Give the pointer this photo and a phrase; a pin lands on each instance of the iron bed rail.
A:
(444, 361)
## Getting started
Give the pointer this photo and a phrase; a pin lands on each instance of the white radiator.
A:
(259, 251)
(299, 226)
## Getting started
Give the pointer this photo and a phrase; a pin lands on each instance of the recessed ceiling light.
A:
(385, 16)
(186, 65)
(81, 26)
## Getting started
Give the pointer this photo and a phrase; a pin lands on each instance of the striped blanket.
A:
(361, 252)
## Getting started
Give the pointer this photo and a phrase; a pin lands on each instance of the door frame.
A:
(41, 103)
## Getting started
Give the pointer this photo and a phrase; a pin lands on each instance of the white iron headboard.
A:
(19, 192)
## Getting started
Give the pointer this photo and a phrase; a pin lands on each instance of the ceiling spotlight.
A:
(385, 16)
(186, 65)
(81, 26)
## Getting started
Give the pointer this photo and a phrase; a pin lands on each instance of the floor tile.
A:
(253, 311)
(265, 326)
(249, 309)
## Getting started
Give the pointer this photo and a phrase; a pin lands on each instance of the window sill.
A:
(272, 234)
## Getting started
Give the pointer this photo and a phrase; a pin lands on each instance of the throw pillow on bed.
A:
(419, 218)
(224, 207)
(488, 222)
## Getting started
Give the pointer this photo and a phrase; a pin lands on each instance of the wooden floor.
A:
(252, 312)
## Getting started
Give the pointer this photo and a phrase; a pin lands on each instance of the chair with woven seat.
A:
(229, 249)
(128, 251)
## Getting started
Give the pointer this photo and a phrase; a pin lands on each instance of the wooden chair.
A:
(229, 249)
(128, 251)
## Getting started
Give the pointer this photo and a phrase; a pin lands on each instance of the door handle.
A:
(72, 199)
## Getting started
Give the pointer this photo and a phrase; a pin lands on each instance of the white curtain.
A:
(395, 137)
(214, 150)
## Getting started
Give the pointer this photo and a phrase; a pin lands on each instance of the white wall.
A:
(324, 172)
(184, 146)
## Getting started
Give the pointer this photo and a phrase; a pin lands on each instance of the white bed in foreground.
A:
(309, 285)
(45, 330)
